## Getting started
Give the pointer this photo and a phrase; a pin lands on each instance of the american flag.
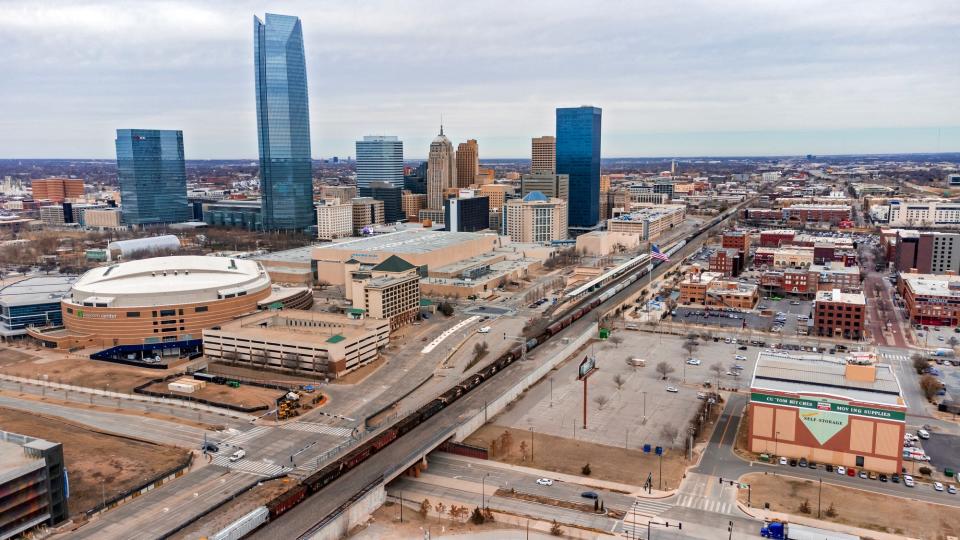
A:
(657, 254)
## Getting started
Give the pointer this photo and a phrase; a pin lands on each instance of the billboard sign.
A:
(587, 367)
(829, 405)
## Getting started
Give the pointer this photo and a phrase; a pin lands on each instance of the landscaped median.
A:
(851, 507)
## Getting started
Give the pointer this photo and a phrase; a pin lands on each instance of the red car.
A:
(851, 472)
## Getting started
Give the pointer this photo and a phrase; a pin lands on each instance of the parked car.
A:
(923, 434)
(938, 486)
(742, 348)
(589, 495)
(895, 478)
(783, 461)
(672, 389)
(741, 358)
(841, 470)
(812, 465)
(828, 468)
(484, 330)
(883, 478)
(793, 463)
(851, 472)
(908, 480)
(210, 447)
(863, 475)
(952, 489)
(544, 481)
(803, 462)
(872, 475)
(693, 362)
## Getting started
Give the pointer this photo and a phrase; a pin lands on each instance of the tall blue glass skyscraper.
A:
(283, 123)
(152, 176)
(578, 155)
(379, 159)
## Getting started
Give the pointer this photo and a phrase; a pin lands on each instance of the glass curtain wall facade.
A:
(379, 159)
(578, 155)
(283, 123)
(152, 176)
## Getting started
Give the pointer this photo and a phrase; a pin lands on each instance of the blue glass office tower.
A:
(379, 159)
(578, 155)
(283, 123)
(152, 176)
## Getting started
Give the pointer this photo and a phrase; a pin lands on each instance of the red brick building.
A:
(776, 237)
(931, 299)
(817, 213)
(738, 240)
(839, 314)
(728, 262)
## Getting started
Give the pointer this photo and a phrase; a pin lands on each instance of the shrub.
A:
(586, 470)
(805, 507)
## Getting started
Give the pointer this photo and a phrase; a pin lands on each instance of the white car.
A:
(672, 389)
(484, 330)
(740, 357)
(238, 455)
(938, 486)
(923, 434)
(693, 362)
(842, 471)
(783, 461)
(908, 480)
(544, 481)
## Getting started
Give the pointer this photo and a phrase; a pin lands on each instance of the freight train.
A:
(323, 477)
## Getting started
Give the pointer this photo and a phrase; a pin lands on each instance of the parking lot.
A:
(726, 319)
(944, 450)
(637, 411)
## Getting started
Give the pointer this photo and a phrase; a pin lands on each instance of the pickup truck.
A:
(238, 455)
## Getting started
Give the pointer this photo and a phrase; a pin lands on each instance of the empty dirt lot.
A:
(245, 396)
(569, 456)
(94, 459)
(855, 507)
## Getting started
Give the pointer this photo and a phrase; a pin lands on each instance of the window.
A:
(200, 309)
(133, 314)
(168, 312)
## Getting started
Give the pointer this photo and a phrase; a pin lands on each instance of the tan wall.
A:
(878, 442)
(112, 326)
(330, 261)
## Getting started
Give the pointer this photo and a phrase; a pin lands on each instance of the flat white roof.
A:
(169, 280)
(932, 284)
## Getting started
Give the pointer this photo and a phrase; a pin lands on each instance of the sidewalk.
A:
(632, 490)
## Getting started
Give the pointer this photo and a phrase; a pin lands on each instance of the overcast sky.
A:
(674, 78)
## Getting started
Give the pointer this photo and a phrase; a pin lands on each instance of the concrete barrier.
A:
(357, 513)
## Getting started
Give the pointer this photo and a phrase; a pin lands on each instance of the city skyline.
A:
(837, 80)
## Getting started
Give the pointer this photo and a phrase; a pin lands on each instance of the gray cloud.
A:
(76, 71)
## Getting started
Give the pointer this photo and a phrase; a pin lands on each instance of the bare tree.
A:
(690, 347)
(601, 401)
(619, 380)
(664, 369)
(669, 433)
(930, 386)
(920, 362)
(616, 340)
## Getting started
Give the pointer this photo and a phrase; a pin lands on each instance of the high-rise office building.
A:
(152, 176)
(379, 159)
(380, 172)
(468, 163)
(578, 155)
(441, 170)
(57, 189)
(466, 214)
(415, 179)
(548, 183)
(543, 155)
(283, 123)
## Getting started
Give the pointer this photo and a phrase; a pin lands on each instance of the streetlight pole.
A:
(819, 492)
(483, 490)
(776, 441)
(531, 445)
(551, 392)
(644, 406)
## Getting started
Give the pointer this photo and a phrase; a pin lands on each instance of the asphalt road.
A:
(141, 427)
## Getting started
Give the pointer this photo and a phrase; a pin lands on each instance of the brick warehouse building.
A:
(839, 314)
(829, 411)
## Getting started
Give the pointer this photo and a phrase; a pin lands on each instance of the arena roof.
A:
(169, 280)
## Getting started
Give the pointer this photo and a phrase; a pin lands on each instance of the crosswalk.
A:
(634, 523)
(244, 437)
(706, 504)
(896, 357)
(323, 429)
(259, 468)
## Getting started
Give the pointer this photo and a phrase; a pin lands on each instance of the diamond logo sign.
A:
(824, 424)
